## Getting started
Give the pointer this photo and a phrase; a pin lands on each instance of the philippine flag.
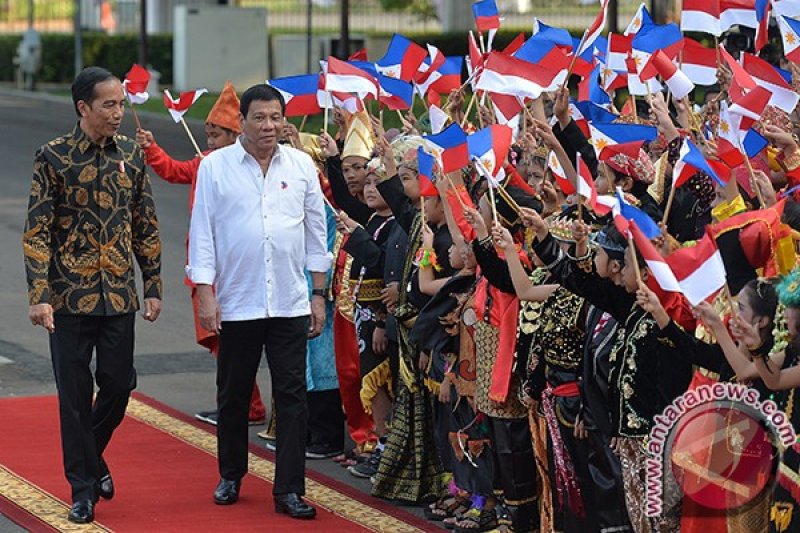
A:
(402, 58)
(299, 93)
(641, 18)
(731, 139)
(426, 186)
(699, 270)
(690, 162)
(619, 46)
(594, 31)
(489, 148)
(558, 36)
(560, 174)
(430, 64)
(544, 54)
(790, 33)
(487, 17)
(625, 212)
(751, 106)
(446, 78)
(178, 107)
(608, 134)
(135, 84)
(450, 148)
(395, 94)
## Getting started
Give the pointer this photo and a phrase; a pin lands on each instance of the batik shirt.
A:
(90, 212)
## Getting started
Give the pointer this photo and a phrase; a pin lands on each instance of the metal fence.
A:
(122, 16)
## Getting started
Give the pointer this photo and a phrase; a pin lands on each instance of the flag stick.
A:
(727, 291)
(329, 204)
(574, 59)
(635, 111)
(480, 39)
(191, 138)
(632, 246)
(668, 208)
(469, 108)
(753, 177)
(716, 49)
(302, 123)
(580, 208)
(136, 116)
(400, 116)
(325, 113)
(422, 208)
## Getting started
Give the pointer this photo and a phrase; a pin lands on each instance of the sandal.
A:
(349, 454)
(446, 507)
(475, 520)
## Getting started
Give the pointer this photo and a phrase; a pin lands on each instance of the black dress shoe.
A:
(105, 486)
(227, 492)
(293, 505)
(82, 512)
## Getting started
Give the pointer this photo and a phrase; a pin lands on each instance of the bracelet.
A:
(486, 242)
(792, 161)
(426, 257)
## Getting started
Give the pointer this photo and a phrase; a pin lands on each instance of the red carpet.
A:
(164, 472)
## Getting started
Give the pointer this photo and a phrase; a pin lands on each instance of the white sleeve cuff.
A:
(318, 263)
(200, 275)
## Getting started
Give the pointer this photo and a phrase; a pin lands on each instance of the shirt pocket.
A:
(291, 196)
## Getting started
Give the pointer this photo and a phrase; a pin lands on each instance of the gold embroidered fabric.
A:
(90, 211)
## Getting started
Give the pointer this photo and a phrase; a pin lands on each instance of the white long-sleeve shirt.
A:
(251, 234)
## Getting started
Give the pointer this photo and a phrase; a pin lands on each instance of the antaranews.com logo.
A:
(722, 445)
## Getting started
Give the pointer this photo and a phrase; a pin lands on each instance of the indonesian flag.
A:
(489, 149)
(699, 270)
(429, 65)
(135, 84)
(450, 148)
(475, 60)
(506, 107)
(426, 186)
(619, 46)
(340, 76)
(737, 12)
(559, 174)
(751, 106)
(699, 62)
(641, 18)
(508, 75)
(177, 108)
(594, 31)
(701, 15)
(655, 261)
(783, 96)
(677, 81)
(690, 162)
(299, 93)
(586, 188)
(402, 58)
(790, 33)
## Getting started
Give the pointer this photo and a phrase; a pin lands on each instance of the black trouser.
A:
(86, 428)
(241, 346)
(325, 419)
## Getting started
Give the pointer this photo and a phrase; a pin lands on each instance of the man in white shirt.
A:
(258, 220)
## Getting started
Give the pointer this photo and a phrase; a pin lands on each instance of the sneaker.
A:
(209, 417)
(368, 468)
(321, 451)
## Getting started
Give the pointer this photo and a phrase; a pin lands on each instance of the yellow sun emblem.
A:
(791, 38)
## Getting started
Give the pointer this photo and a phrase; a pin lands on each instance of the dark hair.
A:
(85, 82)
(762, 297)
(615, 240)
(791, 214)
(262, 92)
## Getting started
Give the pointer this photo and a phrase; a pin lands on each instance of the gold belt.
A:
(368, 291)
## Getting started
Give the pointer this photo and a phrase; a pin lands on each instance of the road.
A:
(171, 367)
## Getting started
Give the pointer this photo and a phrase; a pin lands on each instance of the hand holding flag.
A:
(178, 107)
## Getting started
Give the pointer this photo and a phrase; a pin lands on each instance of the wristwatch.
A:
(318, 292)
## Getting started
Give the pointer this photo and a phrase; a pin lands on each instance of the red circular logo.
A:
(722, 457)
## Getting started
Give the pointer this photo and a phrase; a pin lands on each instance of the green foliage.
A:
(115, 52)
(423, 8)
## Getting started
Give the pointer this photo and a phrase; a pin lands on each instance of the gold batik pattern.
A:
(90, 213)
(486, 340)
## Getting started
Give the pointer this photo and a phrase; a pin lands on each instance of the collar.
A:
(241, 153)
(83, 141)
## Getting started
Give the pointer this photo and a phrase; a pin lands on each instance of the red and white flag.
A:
(701, 15)
(699, 62)
(751, 106)
(178, 107)
(594, 31)
(655, 261)
(783, 96)
(619, 46)
(676, 80)
(508, 75)
(699, 270)
(586, 188)
(135, 84)
(340, 76)
(737, 12)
